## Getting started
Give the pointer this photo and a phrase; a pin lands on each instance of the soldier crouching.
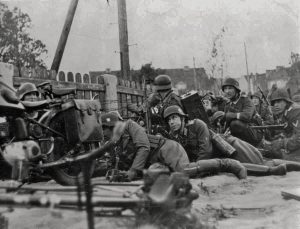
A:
(239, 113)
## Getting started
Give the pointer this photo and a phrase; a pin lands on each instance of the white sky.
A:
(170, 32)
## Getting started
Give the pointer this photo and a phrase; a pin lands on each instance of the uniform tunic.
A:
(239, 116)
(135, 146)
(292, 133)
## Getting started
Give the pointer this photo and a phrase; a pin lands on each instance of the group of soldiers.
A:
(190, 146)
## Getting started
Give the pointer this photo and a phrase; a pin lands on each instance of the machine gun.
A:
(269, 127)
(161, 197)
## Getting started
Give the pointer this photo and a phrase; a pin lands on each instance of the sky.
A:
(169, 33)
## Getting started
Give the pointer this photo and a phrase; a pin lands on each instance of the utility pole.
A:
(64, 36)
(123, 39)
(195, 75)
(248, 77)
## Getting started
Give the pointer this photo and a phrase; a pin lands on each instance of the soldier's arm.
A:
(247, 111)
(204, 145)
(142, 144)
(292, 143)
(267, 115)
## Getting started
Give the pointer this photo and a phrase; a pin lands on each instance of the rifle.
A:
(263, 96)
(147, 117)
(269, 127)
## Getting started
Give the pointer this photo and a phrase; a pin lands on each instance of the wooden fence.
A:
(121, 92)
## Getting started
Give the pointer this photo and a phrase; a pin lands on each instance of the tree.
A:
(16, 45)
(149, 72)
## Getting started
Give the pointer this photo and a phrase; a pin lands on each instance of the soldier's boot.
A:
(263, 170)
(215, 166)
(290, 165)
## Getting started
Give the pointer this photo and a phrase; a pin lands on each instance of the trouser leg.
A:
(290, 165)
(264, 170)
(215, 166)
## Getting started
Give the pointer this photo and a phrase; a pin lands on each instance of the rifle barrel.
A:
(278, 127)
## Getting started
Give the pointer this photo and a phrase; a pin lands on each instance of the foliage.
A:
(216, 64)
(149, 72)
(295, 64)
(16, 44)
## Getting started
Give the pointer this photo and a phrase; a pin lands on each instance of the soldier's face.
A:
(255, 101)
(229, 92)
(107, 133)
(31, 97)
(279, 106)
(174, 122)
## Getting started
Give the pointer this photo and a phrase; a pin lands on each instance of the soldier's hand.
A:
(277, 145)
(131, 175)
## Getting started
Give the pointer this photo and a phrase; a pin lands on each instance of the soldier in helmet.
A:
(193, 135)
(216, 122)
(157, 102)
(196, 139)
(287, 146)
(28, 92)
(239, 113)
(135, 153)
(163, 88)
(133, 143)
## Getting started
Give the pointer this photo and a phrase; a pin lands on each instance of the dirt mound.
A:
(227, 202)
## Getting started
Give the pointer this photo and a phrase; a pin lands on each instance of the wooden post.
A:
(248, 77)
(195, 75)
(64, 36)
(111, 96)
(123, 39)
(7, 73)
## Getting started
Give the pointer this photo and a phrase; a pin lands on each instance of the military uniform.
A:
(288, 147)
(134, 147)
(239, 116)
(196, 140)
(134, 152)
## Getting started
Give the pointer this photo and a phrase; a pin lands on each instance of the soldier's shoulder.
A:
(293, 112)
(196, 122)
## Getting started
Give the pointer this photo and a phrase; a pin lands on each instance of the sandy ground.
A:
(224, 202)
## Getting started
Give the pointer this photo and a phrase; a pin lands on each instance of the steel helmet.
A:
(174, 109)
(231, 82)
(280, 94)
(296, 98)
(216, 115)
(257, 95)
(110, 119)
(162, 82)
(26, 88)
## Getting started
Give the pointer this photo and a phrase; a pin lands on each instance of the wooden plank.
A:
(70, 77)
(78, 78)
(126, 90)
(291, 194)
(86, 78)
(79, 86)
(61, 76)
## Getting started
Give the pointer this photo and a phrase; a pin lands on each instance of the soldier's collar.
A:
(287, 110)
(235, 101)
